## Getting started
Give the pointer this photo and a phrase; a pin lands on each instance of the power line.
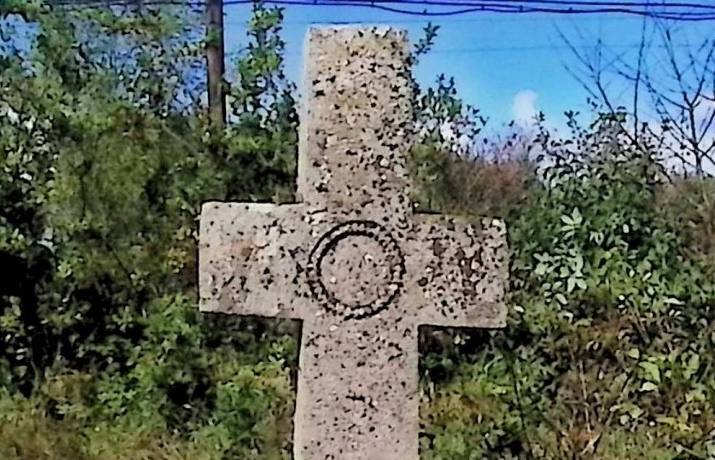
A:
(509, 49)
(470, 50)
(517, 4)
(568, 3)
(680, 11)
(447, 21)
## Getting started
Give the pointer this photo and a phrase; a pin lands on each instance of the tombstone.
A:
(350, 260)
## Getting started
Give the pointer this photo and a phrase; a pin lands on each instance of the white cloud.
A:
(523, 107)
(703, 112)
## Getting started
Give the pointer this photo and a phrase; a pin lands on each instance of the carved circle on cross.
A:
(356, 269)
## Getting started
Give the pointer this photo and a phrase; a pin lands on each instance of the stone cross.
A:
(350, 260)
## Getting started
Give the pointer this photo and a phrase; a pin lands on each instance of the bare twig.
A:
(680, 88)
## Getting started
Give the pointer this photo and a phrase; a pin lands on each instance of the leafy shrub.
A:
(609, 349)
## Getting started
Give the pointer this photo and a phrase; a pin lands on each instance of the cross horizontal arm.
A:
(249, 259)
(456, 272)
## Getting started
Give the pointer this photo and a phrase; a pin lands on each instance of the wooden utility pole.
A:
(215, 62)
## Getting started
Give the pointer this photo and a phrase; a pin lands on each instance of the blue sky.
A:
(505, 64)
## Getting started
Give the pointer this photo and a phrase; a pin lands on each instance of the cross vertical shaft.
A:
(356, 121)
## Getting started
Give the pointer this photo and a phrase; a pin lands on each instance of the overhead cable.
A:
(678, 11)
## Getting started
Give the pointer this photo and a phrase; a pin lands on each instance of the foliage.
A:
(609, 349)
(262, 141)
(104, 168)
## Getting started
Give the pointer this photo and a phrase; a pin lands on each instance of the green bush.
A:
(608, 353)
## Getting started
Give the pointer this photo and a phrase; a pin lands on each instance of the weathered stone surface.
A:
(350, 260)
(356, 123)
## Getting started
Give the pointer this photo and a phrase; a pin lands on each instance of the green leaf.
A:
(633, 353)
(578, 263)
(570, 284)
(652, 371)
(567, 220)
(648, 386)
(692, 366)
